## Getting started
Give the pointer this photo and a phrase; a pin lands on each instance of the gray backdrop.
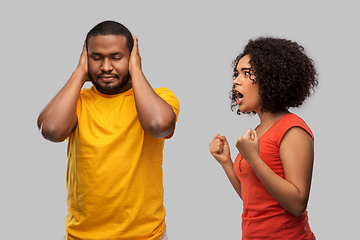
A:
(187, 46)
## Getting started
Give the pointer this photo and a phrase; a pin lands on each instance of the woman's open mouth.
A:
(239, 97)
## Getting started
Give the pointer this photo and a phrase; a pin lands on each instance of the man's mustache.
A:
(107, 75)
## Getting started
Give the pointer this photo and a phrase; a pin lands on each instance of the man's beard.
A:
(110, 89)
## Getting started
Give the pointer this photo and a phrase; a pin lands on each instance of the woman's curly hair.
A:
(285, 74)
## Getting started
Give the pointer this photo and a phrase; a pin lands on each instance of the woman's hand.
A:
(248, 145)
(219, 148)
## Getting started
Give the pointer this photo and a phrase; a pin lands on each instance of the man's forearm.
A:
(58, 118)
(156, 116)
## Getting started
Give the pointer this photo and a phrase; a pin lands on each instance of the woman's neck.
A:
(267, 119)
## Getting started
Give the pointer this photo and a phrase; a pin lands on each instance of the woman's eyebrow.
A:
(245, 69)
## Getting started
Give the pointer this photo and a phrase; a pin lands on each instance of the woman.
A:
(273, 170)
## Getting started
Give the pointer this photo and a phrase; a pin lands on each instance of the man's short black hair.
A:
(111, 28)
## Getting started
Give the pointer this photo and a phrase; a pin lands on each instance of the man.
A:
(115, 132)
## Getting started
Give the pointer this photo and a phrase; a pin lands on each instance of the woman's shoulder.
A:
(288, 122)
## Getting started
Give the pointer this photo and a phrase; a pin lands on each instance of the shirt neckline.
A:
(275, 123)
(127, 92)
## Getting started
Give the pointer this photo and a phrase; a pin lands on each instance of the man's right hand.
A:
(58, 119)
(82, 67)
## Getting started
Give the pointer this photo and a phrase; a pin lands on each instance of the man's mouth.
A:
(107, 77)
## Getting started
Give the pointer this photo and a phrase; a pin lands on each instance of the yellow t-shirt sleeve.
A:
(172, 100)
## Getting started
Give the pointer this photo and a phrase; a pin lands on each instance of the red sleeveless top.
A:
(263, 217)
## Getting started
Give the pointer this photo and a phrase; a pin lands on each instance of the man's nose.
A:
(106, 65)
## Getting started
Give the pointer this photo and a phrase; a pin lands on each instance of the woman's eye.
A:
(235, 75)
(247, 73)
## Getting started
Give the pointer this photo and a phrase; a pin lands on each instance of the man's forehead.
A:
(107, 43)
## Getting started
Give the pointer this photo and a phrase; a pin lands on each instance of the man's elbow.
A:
(161, 130)
(52, 133)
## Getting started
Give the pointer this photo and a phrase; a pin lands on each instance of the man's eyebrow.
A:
(116, 53)
(111, 54)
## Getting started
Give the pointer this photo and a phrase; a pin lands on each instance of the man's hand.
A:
(248, 145)
(219, 148)
(156, 116)
(82, 67)
(135, 58)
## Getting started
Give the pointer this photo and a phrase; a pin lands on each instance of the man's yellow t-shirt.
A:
(114, 175)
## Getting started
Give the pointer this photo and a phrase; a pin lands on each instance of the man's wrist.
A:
(135, 72)
(81, 75)
(136, 75)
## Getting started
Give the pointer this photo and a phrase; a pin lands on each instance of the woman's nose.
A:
(236, 81)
